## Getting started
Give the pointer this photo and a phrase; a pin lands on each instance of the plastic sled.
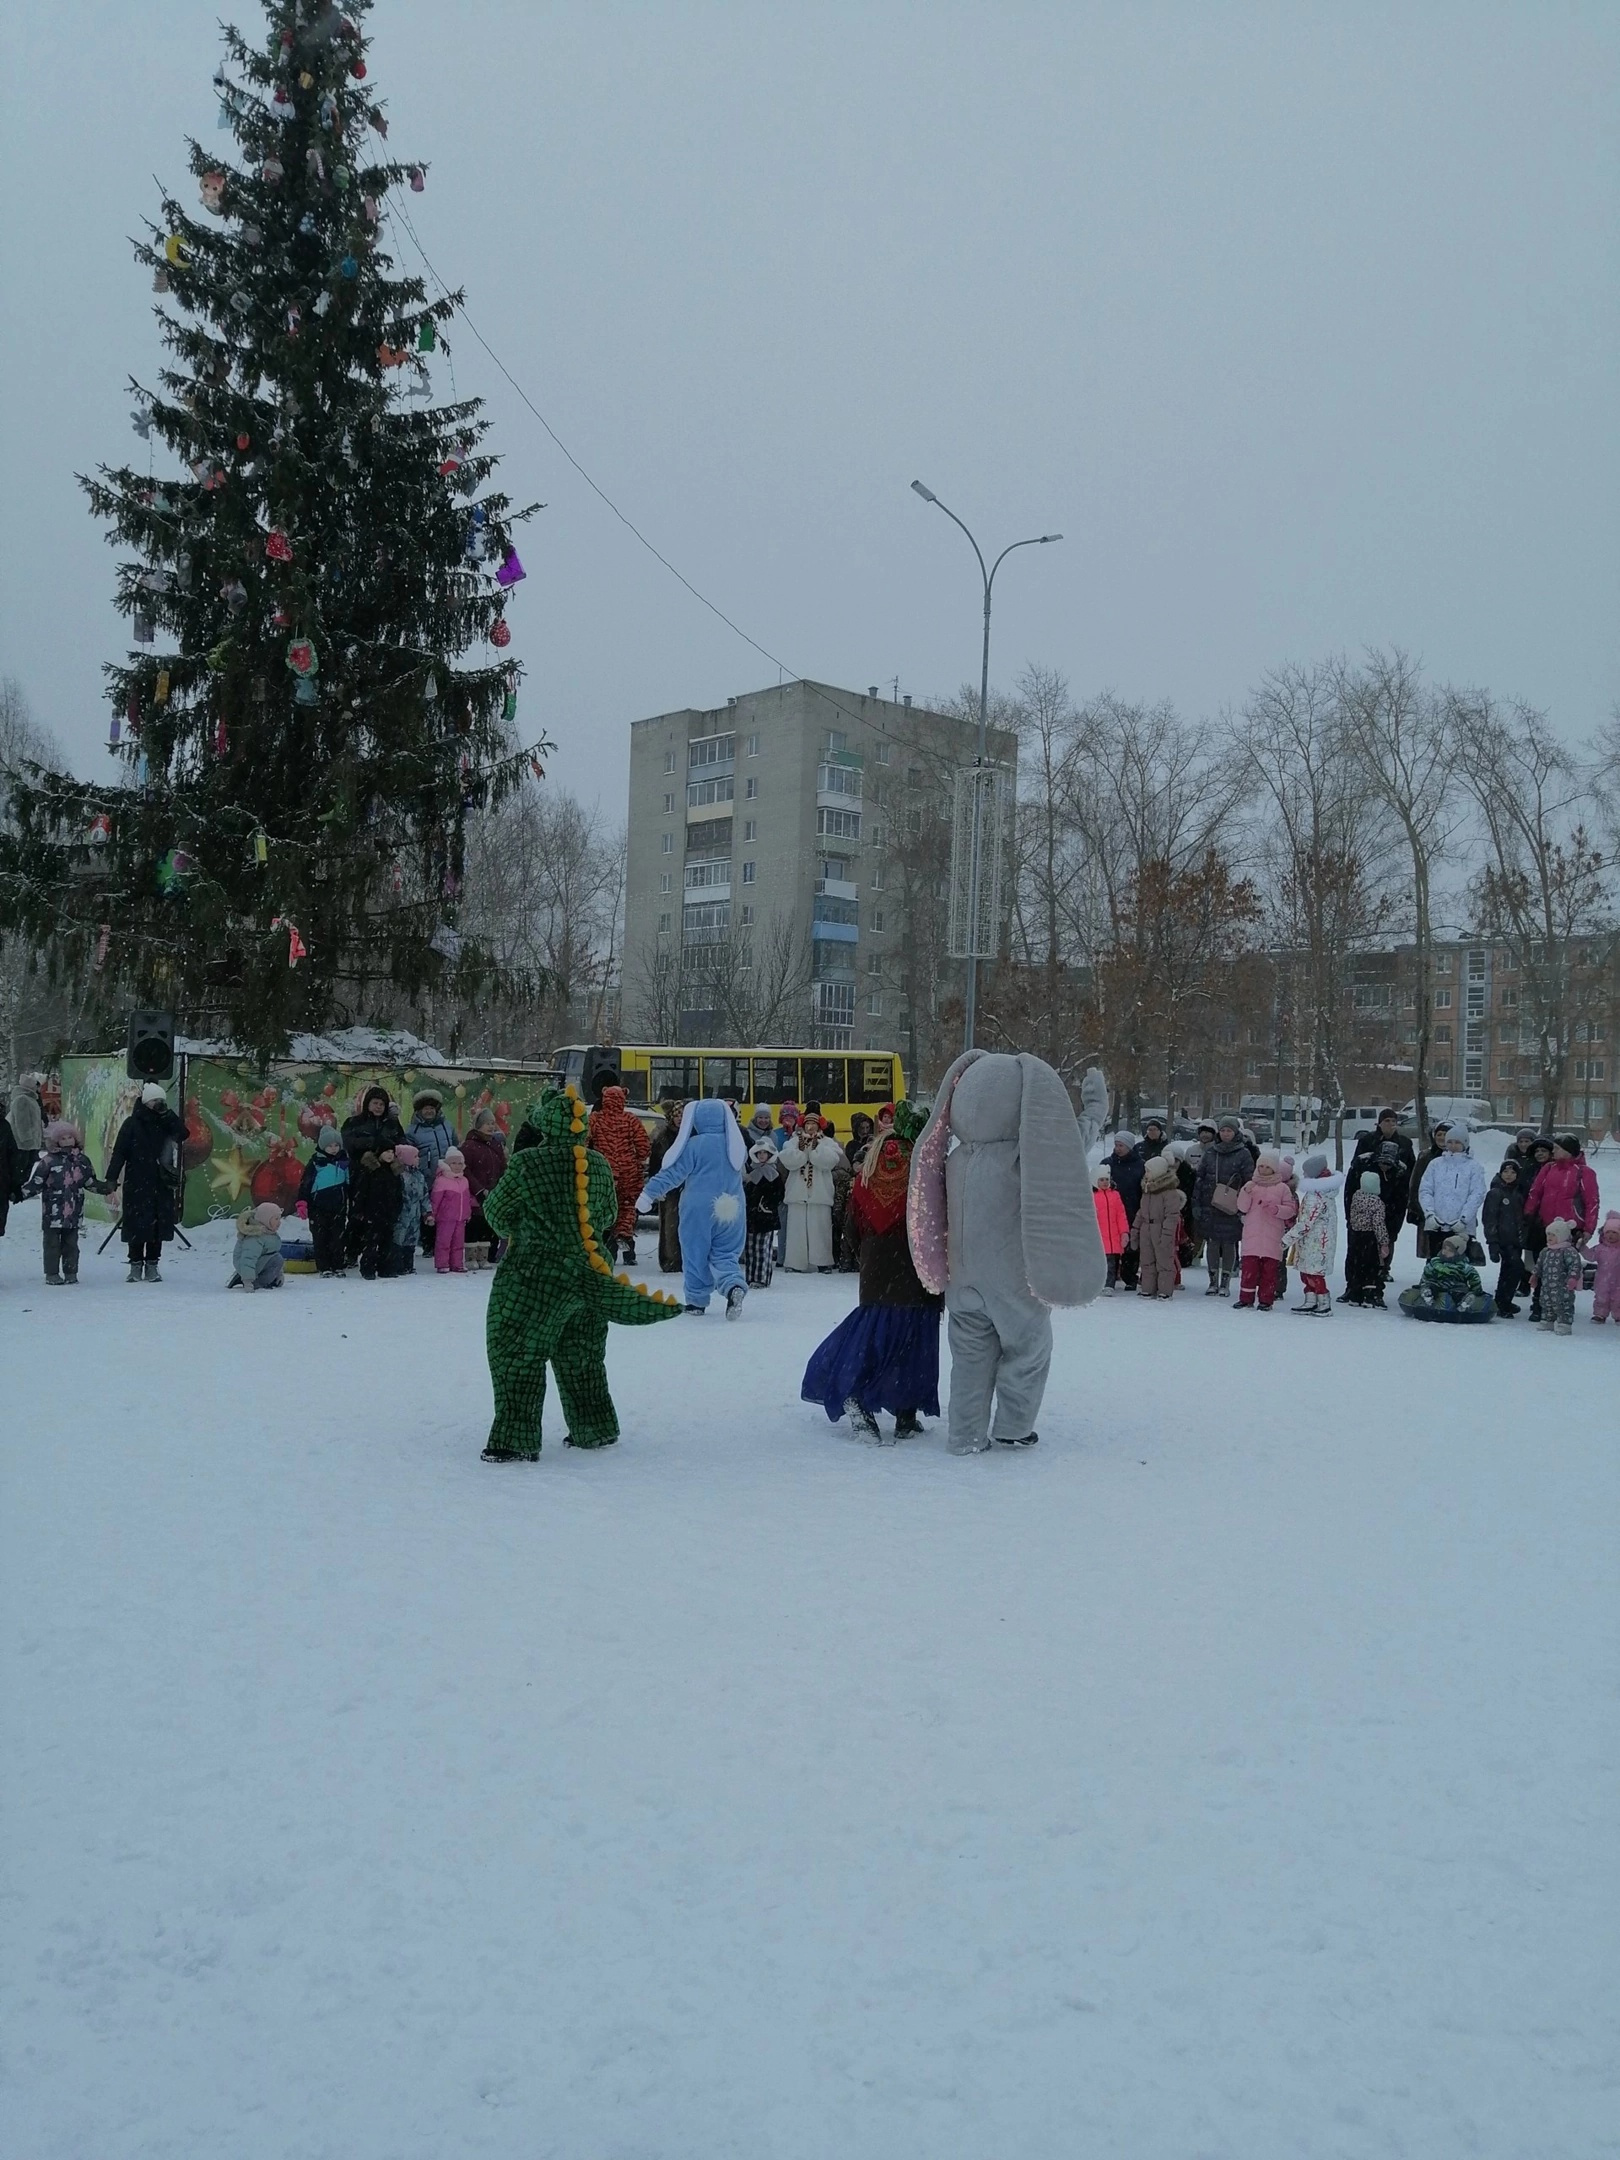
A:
(1419, 1304)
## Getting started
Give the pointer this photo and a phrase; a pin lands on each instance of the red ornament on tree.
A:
(277, 546)
(500, 632)
(244, 442)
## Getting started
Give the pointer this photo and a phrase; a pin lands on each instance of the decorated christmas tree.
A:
(316, 570)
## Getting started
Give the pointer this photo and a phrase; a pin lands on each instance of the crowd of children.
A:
(1162, 1205)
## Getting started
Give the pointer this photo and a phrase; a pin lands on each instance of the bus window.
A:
(726, 1076)
(776, 1080)
(877, 1079)
(674, 1076)
(824, 1081)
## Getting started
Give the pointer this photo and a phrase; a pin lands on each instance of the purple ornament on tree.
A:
(511, 569)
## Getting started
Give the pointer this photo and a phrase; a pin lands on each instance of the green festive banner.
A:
(249, 1132)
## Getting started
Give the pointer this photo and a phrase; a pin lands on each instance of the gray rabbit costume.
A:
(1003, 1224)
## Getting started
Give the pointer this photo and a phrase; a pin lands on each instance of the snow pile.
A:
(344, 1046)
(1226, 1776)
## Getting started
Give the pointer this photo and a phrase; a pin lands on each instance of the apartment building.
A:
(759, 901)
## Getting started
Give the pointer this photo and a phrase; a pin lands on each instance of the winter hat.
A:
(1526, 1132)
(1204, 1126)
(761, 1117)
(1314, 1166)
(1160, 1173)
(1269, 1166)
(369, 1095)
(1124, 1139)
(153, 1096)
(1440, 1125)
(454, 1160)
(427, 1095)
(885, 1110)
(789, 1113)
(1456, 1246)
(762, 1152)
(1560, 1230)
(406, 1155)
(1102, 1178)
(1508, 1162)
(327, 1140)
(1457, 1136)
(60, 1133)
(1370, 1182)
(1610, 1233)
(1391, 1113)
(1153, 1124)
(485, 1120)
(1570, 1143)
(267, 1215)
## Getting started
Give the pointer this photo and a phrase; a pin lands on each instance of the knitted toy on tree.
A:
(554, 1292)
(309, 546)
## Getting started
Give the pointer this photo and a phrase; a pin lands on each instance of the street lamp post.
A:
(974, 858)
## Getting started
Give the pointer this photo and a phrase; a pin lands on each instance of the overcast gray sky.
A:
(1300, 322)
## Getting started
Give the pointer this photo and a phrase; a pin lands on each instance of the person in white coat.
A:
(1313, 1242)
(1453, 1189)
(808, 1162)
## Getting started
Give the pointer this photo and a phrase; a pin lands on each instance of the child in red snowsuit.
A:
(620, 1137)
(1111, 1221)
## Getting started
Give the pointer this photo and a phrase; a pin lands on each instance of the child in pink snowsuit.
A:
(1267, 1207)
(1606, 1286)
(452, 1204)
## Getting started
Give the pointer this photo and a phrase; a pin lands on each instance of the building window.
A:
(1442, 1034)
(745, 915)
(669, 761)
(1442, 1070)
(750, 829)
(663, 882)
(1442, 963)
(837, 740)
(663, 925)
(877, 877)
(878, 920)
(874, 964)
(883, 753)
(1442, 1001)
(1510, 998)
(701, 874)
(666, 844)
(710, 750)
(706, 924)
(748, 873)
(874, 1004)
(669, 806)
(718, 790)
(838, 824)
(753, 746)
(751, 790)
(839, 780)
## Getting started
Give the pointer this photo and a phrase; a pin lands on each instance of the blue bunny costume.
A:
(706, 1163)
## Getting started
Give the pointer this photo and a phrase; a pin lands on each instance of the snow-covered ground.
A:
(1231, 1775)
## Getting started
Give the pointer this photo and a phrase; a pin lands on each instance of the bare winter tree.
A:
(1397, 727)
(1546, 890)
(1321, 852)
(36, 1014)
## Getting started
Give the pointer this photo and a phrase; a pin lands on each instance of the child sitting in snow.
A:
(257, 1257)
(1112, 1226)
(1450, 1289)
(323, 1200)
(1559, 1269)
(413, 1200)
(62, 1176)
(452, 1207)
(1367, 1251)
(1606, 1283)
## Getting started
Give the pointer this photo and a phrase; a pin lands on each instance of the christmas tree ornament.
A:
(380, 122)
(357, 68)
(103, 940)
(177, 253)
(234, 594)
(301, 658)
(145, 629)
(211, 187)
(272, 172)
(154, 581)
(369, 209)
(219, 655)
(277, 546)
(446, 943)
(327, 109)
(132, 712)
(141, 770)
(160, 689)
(222, 740)
(427, 336)
(182, 571)
(161, 282)
(307, 224)
(511, 570)
(172, 871)
(306, 80)
(430, 689)
(261, 848)
(341, 176)
(450, 464)
(348, 267)
(500, 633)
(306, 691)
(141, 421)
(396, 879)
(115, 732)
(252, 236)
(296, 948)
(242, 301)
(537, 768)
(418, 179)
(322, 304)
(294, 318)
(244, 442)
(509, 706)
(286, 41)
(316, 164)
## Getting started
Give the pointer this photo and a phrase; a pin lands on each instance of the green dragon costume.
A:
(554, 1294)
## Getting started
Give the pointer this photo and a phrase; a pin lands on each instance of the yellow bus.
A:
(857, 1080)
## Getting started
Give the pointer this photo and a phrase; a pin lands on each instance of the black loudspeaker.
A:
(151, 1046)
(601, 1069)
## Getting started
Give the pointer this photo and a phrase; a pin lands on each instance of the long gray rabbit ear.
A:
(1063, 1255)
(925, 1194)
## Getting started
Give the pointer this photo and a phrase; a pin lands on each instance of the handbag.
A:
(1225, 1198)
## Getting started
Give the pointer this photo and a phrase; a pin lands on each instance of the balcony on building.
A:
(708, 881)
(838, 781)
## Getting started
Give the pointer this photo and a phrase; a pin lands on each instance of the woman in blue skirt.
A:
(885, 1356)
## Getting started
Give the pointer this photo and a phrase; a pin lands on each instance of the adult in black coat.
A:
(12, 1170)
(1152, 1141)
(369, 1138)
(1385, 1150)
(146, 1160)
(1126, 1166)
(1501, 1220)
(669, 1208)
